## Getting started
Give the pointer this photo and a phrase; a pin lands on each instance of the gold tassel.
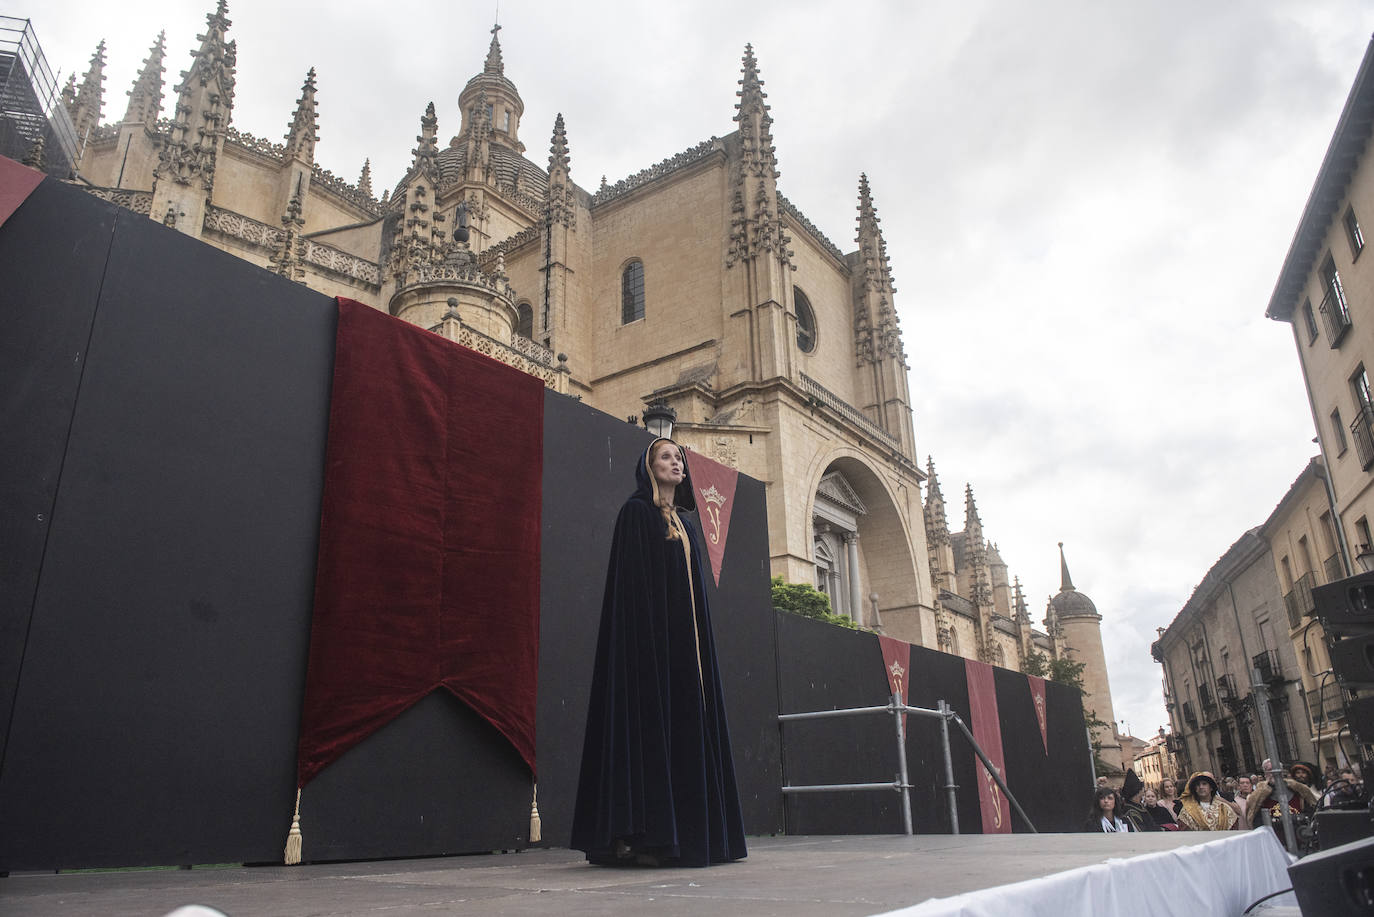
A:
(293, 838)
(536, 826)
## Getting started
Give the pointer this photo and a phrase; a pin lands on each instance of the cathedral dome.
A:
(1070, 603)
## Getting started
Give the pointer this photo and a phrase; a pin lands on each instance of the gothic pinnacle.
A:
(90, 97)
(301, 137)
(365, 179)
(1066, 582)
(558, 148)
(145, 98)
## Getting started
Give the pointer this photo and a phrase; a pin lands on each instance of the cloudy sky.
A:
(1086, 204)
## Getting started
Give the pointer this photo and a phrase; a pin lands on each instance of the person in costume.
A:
(1105, 816)
(1301, 797)
(1132, 790)
(1202, 809)
(1161, 815)
(657, 785)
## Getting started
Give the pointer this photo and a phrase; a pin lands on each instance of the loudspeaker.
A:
(1353, 660)
(1335, 883)
(1346, 606)
(1338, 827)
(1359, 714)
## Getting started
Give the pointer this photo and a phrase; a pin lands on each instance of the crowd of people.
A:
(1206, 804)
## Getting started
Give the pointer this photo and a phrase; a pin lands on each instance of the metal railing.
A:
(1362, 431)
(29, 91)
(1332, 701)
(1335, 314)
(1332, 568)
(1298, 601)
(902, 785)
(1267, 663)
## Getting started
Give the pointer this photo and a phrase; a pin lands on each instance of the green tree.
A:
(1066, 671)
(807, 601)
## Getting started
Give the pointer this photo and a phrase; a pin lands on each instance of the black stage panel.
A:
(823, 667)
(46, 310)
(161, 681)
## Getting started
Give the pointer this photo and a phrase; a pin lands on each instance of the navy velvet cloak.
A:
(657, 775)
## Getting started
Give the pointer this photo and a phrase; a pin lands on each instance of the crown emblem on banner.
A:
(897, 670)
(711, 495)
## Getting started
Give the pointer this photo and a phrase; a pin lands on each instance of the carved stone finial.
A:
(494, 64)
(558, 149)
(365, 179)
(302, 135)
(89, 98)
(145, 98)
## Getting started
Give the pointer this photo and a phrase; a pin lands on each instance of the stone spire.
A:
(876, 326)
(1065, 581)
(937, 525)
(69, 94)
(145, 99)
(755, 228)
(365, 179)
(302, 135)
(558, 203)
(426, 160)
(1021, 613)
(478, 157)
(185, 174)
(980, 580)
(89, 99)
(494, 64)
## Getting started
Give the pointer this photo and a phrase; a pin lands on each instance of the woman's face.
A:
(667, 464)
(1149, 798)
(1167, 787)
(1107, 804)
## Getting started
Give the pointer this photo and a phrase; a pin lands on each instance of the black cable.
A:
(1254, 904)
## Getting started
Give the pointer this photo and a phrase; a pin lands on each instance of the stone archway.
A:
(855, 516)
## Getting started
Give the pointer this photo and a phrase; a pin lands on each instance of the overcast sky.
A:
(1086, 205)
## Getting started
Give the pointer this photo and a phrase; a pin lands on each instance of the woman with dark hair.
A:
(1105, 816)
(658, 784)
(1203, 809)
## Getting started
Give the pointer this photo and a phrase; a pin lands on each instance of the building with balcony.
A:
(1321, 533)
(1233, 625)
(1303, 543)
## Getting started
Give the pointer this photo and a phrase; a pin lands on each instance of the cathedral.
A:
(694, 286)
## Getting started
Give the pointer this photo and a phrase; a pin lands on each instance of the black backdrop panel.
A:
(589, 462)
(46, 310)
(822, 667)
(162, 677)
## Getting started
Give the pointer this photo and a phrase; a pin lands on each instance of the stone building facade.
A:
(693, 283)
(1302, 541)
(1235, 621)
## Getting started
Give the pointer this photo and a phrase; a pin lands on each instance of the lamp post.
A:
(659, 418)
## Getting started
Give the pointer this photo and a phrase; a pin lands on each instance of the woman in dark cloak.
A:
(657, 783)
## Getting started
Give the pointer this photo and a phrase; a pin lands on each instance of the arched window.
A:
(524, 320)
(806, 321)
(632, 293)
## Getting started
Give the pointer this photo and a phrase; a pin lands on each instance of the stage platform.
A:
(792, 876)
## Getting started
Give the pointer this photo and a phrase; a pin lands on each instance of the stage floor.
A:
(793, 876)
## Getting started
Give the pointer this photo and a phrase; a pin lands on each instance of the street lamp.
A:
(1365, 558)
(659, 418)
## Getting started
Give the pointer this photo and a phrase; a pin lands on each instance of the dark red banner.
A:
(16, 184)
(896, 663)
(715, 485)
(1037, 690)
(987, 732)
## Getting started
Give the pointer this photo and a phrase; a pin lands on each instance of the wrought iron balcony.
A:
(1332, 702)
(1299, 600)
(1189, 716)
(1271, 672)
(1362, 431)
(1206, 701)
(1335, 313)
(1331, 567)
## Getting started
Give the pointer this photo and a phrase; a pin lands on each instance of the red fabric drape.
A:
(16, 184)
(1037, 690)
(428, 573)
(987, 732)
(715, 484)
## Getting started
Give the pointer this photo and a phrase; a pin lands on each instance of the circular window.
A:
(806, 321)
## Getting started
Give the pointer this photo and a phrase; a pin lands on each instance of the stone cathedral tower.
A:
(1076, 622)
